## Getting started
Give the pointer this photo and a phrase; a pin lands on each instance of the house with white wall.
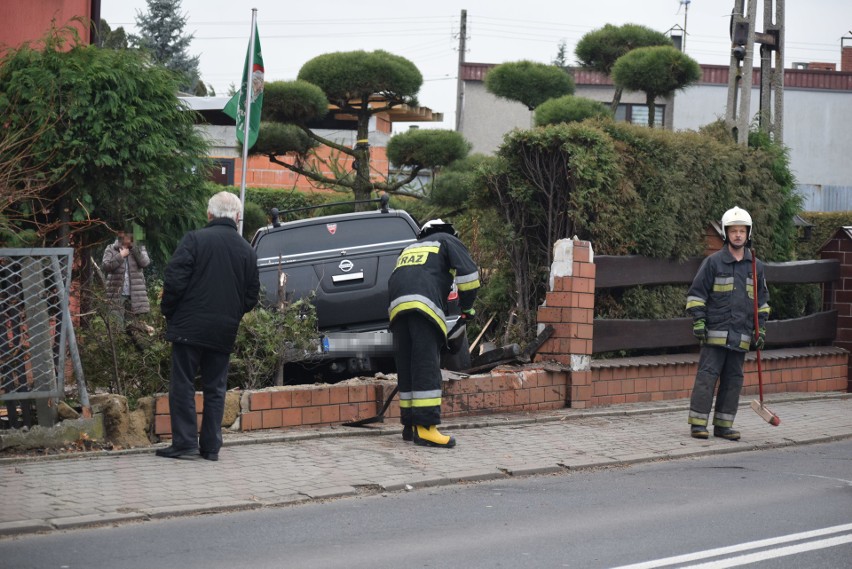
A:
(817, 119)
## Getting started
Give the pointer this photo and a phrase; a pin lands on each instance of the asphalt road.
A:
(780, 508)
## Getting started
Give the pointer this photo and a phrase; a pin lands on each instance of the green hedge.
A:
(135, 361)
(629, 190)
(825, 225)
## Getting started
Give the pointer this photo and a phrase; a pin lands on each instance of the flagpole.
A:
(247, 119)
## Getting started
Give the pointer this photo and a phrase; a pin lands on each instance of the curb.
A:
(35, 526)
(460, 423)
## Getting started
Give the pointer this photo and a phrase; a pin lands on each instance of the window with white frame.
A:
(638, 114)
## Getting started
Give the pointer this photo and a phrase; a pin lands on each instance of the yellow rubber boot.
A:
(432, 437)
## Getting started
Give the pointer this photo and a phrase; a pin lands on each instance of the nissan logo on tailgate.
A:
(345, 265)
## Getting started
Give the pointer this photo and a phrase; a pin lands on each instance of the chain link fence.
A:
(37, 332)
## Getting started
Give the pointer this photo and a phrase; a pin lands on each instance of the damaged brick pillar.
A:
(840, 247)
(569, 307)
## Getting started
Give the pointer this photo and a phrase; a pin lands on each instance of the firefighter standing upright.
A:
(419, 287)
(721, 303)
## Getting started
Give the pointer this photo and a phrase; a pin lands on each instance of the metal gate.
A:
(35, 321)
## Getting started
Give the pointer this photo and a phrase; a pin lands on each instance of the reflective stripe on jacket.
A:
(424, 274)
(722, 293)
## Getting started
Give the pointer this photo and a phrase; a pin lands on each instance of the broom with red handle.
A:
(758, 406)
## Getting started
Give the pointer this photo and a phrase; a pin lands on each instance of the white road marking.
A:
(699, 555)
(773, 553)
(831, 478)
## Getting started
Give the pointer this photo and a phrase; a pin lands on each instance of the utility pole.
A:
(460, 82)
(740, 79)
(772, 77)
(741, 70)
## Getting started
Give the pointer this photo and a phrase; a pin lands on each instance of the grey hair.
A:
(224, 204)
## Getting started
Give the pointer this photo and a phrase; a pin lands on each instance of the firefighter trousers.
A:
(726, 366)
(417, 352)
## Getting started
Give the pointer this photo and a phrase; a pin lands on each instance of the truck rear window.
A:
(340, 235)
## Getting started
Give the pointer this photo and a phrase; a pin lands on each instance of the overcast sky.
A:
(427, 33)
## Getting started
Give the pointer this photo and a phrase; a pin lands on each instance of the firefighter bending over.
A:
(419, 287)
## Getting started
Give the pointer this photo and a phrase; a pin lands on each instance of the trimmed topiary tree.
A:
(657, 71)
(528, 82)
(353, 87)
(601, 48)
(569, 109)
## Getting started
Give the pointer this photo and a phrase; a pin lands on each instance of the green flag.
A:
(236, 107)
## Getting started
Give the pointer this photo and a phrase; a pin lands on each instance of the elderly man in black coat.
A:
(210, 282)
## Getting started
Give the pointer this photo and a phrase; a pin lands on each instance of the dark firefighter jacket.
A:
(722, 293)
(424, 274)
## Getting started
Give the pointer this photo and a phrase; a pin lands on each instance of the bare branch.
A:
(327, 142)
(310, 173)
(392, 187)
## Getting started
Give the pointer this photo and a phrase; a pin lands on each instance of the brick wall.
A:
(657, 378)
(840, 247)
(503, 390)
(506, 390)
(298, 406)
(262, 172)
(846, 58)
(712, 241)
(530, 388)
(573, 379)
(569, 308)
(822, 66)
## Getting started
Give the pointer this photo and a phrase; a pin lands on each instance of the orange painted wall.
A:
(29, 20)
(261, 173)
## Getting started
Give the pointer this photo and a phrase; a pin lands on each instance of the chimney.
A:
(821, 66)
(846, 58)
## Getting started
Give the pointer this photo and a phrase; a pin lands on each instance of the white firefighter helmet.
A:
(736, 216)
(436, 226)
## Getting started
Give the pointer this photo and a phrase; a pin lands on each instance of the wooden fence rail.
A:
(634, 270)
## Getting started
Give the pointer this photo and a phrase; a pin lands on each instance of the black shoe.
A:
(407, 433)
(172, 452)
(699, 432)
(212, 456)
(726, 433)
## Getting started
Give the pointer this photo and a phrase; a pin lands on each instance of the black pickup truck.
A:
(345, 260)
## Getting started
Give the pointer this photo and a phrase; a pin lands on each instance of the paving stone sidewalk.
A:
(276, 468)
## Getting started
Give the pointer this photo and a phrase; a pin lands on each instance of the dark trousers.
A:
(726, 366)
(187, 360)
(417, 352)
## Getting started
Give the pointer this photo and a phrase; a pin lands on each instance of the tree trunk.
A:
(85, 277)
(652, 109)
(616, 99)
(65, 218)
(363, 187)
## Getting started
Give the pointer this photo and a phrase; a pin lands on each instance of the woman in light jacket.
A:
(123, 265)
